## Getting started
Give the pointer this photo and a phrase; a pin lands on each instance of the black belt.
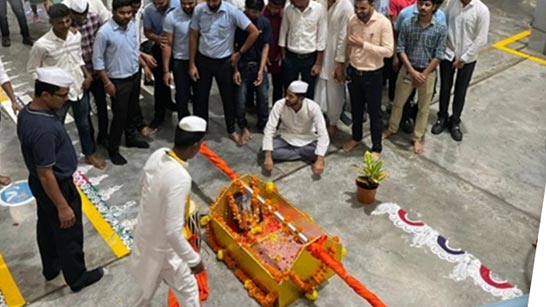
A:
(301, 55)
(251, 63)
(126, 79)
(366, 72)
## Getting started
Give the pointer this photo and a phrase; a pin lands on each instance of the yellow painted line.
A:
(103, 228)
(512, 39)
(8, 287)
(503, 45)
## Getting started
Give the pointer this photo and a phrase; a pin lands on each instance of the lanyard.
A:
(175, 157)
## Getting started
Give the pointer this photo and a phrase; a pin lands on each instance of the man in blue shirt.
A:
(51, 160)
(176, 45)
(116, 60)
(250, 75)
(212, 56)
(152, 19)
(421, 46)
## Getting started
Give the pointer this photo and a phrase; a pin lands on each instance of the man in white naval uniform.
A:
(160, 251)
(330, 89)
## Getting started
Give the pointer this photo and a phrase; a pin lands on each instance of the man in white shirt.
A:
(330, 90)
(468, 25)
(60, 47)
(302, 129)
(160, 251)
(302, 40)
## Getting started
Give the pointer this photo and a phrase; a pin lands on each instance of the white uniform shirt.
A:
(297, 128)
(49, 50)
(304, 32)
(467, 29)
(165, 186)
(97, 7)
(3, 75)
(338, 16)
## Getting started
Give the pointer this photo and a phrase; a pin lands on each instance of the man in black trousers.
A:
(51, 160)
(212, 55)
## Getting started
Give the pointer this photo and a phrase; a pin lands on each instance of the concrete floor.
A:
(483, 194)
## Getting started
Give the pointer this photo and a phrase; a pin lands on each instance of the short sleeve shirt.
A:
(45, 143)
(177, 23)
(153, 19)
(254, 54)
(217, 29)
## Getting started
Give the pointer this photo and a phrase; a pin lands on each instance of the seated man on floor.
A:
(302, 130)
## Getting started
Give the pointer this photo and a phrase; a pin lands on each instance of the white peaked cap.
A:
(298, 87)
(54, 76)
(193, 124)
(79, 6)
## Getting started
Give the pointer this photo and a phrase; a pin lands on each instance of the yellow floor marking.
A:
(503, 45)
(8, 287)
(103, 228)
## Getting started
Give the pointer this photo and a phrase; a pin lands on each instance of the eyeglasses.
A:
(63, 96)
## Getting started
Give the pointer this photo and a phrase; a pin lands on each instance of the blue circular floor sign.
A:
(16, 194)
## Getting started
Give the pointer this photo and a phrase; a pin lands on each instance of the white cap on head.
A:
(193, 124)
(79, 6)
(298, 87)
(54, 76)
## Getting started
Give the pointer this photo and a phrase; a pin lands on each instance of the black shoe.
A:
(137, 143)
(439, 126)
(456, 133)
(6, 42)
(49, 276)
(27, 40)
(117, 158)
(346, 119)
(407, 126)
(88, 278)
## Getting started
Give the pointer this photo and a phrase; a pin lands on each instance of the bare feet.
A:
(235, 137)
(245, 136)
(349, 146)
(386, 134)
(418, 147)
(376, 156)
(147, 131)
(5, 180)
(332, 130)
(96, 162)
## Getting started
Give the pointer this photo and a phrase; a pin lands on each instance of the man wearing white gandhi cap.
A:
(302, 130)
(51, 160)
(160, 251)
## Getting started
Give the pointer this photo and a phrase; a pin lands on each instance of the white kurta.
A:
(330, 94)
(297, 128)
(160, 252)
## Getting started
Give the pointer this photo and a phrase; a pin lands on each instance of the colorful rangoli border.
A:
(466, 264)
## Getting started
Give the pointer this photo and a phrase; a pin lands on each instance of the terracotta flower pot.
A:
(364, 193)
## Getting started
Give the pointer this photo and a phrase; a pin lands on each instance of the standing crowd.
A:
(311, 52)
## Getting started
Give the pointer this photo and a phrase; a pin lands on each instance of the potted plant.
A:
(370, 175)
